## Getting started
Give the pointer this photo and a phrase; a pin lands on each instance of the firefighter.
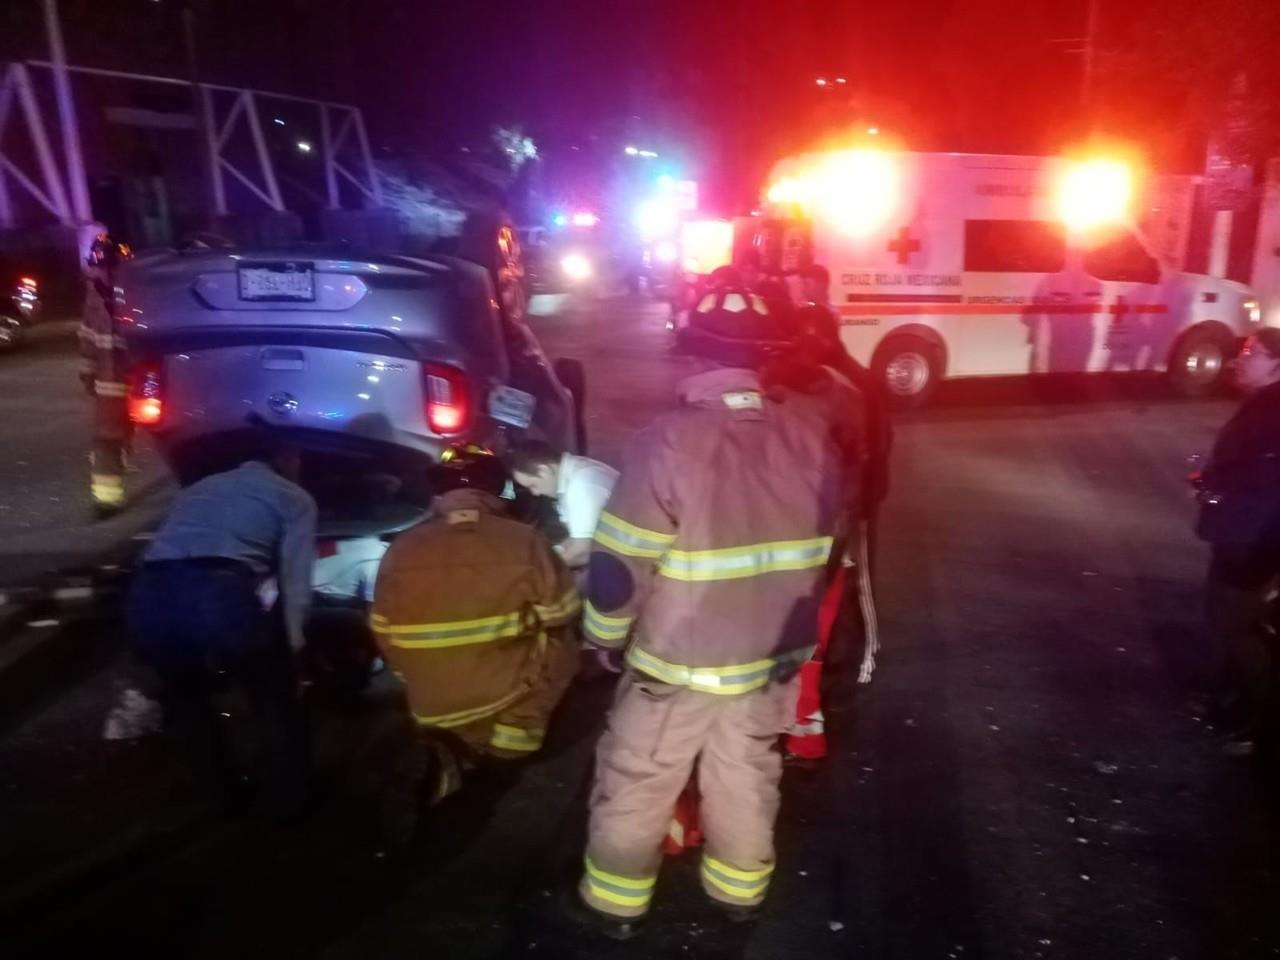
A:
(818, 328)
(474, 612)
(708, 566)
(103, 372)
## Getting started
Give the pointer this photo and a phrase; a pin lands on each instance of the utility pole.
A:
(80, 207)
(1090, 45)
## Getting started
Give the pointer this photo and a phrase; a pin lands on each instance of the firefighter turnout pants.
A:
(111, 431)
(655, 734)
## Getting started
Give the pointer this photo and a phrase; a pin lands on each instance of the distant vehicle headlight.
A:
(576, 266)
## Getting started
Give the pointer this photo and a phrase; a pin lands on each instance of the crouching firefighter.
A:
(473, 611)
(709, 564)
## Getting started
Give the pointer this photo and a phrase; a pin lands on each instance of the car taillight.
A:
(29, 283)
(146, 395)
(448, 407)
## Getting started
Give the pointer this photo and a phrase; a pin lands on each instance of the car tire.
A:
(13, 333)
(573, 377)
(908, 369)
(1198, 364)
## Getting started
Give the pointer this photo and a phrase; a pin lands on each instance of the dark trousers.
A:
(1235, 604)
(187, 618)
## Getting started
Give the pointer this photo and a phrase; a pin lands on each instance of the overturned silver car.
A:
(375, 363)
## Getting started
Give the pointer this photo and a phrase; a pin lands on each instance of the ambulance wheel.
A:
(1199, 363)
(909, 368)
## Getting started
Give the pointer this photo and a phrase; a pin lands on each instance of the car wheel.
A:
(1199, 363)
(909, 369)
(12, 333)
(573, 376)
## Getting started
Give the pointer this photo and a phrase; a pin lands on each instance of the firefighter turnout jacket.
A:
(474, 612)
(104, 371)
(712, 552)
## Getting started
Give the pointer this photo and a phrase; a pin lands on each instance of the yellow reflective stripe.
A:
(107, 480)
(749, 876)
(610, 629)
(739, 678)
(742, 884)
(624, 891)
(456, 633)
(107, 388)
(735, 563)
(514, 738)
(630, 540)
(463, 717)
(564, 609)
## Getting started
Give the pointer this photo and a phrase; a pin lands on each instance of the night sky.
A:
(723, 88)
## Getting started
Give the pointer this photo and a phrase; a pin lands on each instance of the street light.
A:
(304, 146)
(631, 151)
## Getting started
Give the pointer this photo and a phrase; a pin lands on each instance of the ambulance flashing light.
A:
(1095, 193)
(856, 191)
(707, 244)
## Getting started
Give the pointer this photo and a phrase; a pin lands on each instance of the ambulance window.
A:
(1123, 259)
(1014, 246)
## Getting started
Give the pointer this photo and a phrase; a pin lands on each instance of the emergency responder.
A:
(713, 550)
(1239, 492)
(473, 611)
(225, 583)
(580, 487)
(818, 329)
(104, 371)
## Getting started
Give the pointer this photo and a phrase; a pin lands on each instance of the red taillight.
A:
(448, 409)
(146, 395)
(29, 283)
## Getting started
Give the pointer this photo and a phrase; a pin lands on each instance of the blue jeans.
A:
(188, 618)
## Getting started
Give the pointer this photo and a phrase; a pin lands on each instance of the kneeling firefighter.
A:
(474, 612)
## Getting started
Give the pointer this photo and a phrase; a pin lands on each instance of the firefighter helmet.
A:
(472, 466)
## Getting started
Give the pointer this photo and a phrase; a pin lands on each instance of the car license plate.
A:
(509, 405)
(291, 281)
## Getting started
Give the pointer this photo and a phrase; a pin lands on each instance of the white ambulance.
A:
(959, 265)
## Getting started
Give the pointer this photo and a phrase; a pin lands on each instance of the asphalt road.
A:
(46, 521)
(1022, 779)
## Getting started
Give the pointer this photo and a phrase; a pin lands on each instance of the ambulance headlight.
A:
(1095, 193)
(1252, 311)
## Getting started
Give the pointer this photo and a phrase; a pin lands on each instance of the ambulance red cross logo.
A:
(904, 245)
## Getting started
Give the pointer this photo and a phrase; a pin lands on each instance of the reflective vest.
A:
(710, 557)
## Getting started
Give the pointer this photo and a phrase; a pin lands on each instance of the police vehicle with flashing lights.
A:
(958, 265)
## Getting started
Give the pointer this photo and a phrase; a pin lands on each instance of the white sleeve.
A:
(584, 501)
